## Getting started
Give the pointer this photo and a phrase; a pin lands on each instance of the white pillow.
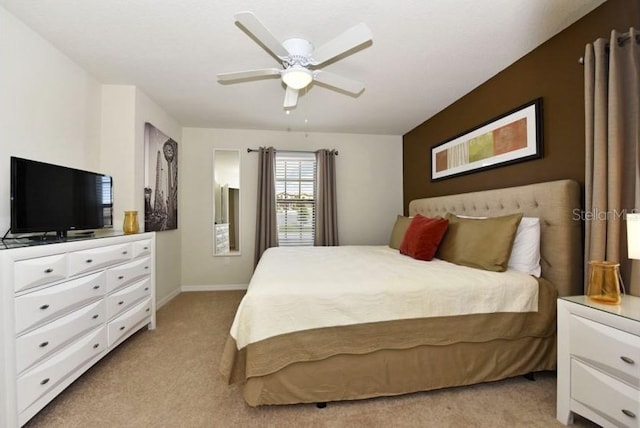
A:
(525, 254)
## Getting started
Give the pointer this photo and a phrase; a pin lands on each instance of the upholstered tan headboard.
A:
(556, 203)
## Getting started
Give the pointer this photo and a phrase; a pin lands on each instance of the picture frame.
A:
(161, 181)
(515, 136)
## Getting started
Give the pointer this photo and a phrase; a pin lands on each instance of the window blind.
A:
(104, 189)
(295, 198)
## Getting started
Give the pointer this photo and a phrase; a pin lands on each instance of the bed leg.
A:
(530, 376)
(321, 405)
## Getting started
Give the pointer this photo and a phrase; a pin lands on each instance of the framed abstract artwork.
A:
(512, 137)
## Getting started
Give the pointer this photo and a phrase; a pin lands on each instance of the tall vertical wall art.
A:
(161, 181)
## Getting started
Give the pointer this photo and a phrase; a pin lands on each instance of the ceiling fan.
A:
(299, 59)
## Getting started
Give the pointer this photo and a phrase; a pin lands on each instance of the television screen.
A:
(53, 198)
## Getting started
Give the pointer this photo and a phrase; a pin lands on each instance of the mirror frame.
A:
(214, 231)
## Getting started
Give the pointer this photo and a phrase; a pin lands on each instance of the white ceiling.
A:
(425, 54)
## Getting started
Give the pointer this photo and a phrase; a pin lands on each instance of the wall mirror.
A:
(226, 202)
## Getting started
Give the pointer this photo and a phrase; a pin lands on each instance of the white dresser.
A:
(221, 238)
(64, 306)
(599, 361)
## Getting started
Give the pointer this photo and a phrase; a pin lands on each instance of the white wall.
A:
(368, 173)
(52, 110)
(49, 106)
(117, 153)
(125, 110)
(168, 242)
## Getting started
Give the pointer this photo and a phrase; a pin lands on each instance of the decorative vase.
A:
(130, 222)
(605, 284)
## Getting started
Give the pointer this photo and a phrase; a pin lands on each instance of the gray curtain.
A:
(266, 224)
(326, 205)
(612, 170)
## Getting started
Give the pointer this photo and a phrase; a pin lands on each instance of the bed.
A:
(284, 355)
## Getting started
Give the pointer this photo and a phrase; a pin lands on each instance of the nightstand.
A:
(599, 361)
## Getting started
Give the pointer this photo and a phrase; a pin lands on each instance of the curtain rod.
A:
(621, 39)
(289, 151)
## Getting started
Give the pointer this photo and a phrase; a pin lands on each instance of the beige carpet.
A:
(169, 378)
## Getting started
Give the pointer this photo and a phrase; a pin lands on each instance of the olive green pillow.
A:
(482, 243)
(399, 229)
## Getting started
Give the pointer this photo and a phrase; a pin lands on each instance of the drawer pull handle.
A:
(43, 307)
(95, 317)
(146, 267)
(629, 413)
(121, 328)
(124, 252)
(48, 270)
(121, 302)
(95, 287)
(627, 360)
(44, 381)
(147, 310)
(43, 344)
(146, 288)
(96, 345)
(146, 248)
(89, 261)
(121, 277)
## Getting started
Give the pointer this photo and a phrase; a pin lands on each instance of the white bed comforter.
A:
(302, 288)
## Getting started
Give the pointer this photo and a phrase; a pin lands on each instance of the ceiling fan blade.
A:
(290, 98)
(339, 82)
(355, 36)
(260, 32)
(248, 74)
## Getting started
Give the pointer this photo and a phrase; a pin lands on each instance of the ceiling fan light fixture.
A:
(297, 77)
(297, 55)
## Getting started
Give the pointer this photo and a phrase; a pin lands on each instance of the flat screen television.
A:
(54, 198)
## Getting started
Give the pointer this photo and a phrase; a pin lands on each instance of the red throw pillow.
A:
(423, 236)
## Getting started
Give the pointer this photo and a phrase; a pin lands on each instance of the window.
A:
(104, 191)
(295, 198)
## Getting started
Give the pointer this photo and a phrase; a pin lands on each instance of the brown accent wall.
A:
(552, 72)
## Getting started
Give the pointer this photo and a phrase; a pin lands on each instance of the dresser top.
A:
(43, 239)
(628, 308)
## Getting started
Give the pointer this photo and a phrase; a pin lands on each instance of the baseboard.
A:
(161, 303)
(214, 287)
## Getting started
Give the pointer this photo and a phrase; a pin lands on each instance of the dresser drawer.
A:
(40, 379)
(43, 305)
(129, 320)
(123, 299)
(604, 395)
(141, 248)
(96, 258)
(38, 271)
(613, 350)
(119, 276)
(38, 344)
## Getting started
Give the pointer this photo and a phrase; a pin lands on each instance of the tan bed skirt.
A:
(394, 372)
(395, 357)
